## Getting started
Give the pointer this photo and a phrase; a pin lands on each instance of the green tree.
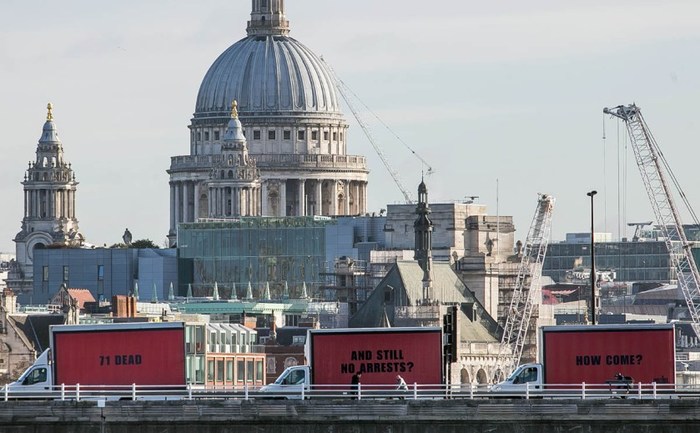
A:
(144, 243)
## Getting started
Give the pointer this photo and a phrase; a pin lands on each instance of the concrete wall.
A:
(340, 416)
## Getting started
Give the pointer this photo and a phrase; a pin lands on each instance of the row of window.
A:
(272, 135)
(221, 371)
(66, 273)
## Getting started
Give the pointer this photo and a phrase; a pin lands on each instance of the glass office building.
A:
(260, 251)
(647, 261)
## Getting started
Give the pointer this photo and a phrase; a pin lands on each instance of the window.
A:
(259, 370)
(45, 273)
(341, 136)
(250, 370)
(206, 135)
(287, 135)
(256, 135)
(271, 135)
(229, 371)
(220, 371)
(325, 135)
(241, 370)
(271, 365)
(210, 371)
(100, 272)
(66, 273)
(335, 136)
(217, 135)
(300, 135)
(199, 136)
(291, 319)
(36, 376)
(314, 135)
(295, 377)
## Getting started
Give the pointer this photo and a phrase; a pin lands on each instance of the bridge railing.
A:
(414, 391)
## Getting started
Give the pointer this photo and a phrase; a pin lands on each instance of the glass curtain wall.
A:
(256, 250)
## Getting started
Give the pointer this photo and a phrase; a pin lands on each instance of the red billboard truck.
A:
(379, 355)
(603, 357)
(108, 355)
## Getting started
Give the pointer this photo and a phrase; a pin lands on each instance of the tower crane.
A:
(656, 174)
(522, 303)
(346, 92)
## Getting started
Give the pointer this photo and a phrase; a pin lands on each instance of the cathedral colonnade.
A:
(191, 200)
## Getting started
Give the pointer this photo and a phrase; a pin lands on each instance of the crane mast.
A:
(655, 173)
(522, 303)
(345, 92)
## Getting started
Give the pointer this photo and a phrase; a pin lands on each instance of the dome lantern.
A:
(268, 19)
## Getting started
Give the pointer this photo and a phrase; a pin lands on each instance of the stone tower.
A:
(235, 184)
(49, 206)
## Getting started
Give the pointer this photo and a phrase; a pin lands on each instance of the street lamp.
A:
(593, 275)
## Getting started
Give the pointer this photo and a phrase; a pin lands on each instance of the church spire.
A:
(423, 228)
(268, 19)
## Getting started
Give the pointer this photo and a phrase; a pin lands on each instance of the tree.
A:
(144, 243)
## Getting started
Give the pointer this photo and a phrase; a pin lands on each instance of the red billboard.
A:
(378, 354)
(594, 356)
(113, 356)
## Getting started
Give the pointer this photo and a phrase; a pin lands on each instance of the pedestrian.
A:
(355, 384)
(401, 386)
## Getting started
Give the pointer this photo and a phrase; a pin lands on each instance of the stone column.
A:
(196, 201)
(363, 194)
(172, 208)
(257, 201)
(185, 202)
(318, 210)
(209, 202)
(265, 205)
(346, 209)
(176, 186)
(334, 199)
(283, 197)
(246, 192)
(302, 198)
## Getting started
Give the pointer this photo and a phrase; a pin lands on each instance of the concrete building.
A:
(418, 293)
(105, 272)
(293, 123)
(449, 235)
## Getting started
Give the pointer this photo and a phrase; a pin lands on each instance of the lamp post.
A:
(593, 274)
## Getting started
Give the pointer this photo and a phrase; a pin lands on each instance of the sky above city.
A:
(502, 99)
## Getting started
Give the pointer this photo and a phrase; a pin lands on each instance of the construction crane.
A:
(638, 227)
(656, 174)
(523, 301)
(346, 92)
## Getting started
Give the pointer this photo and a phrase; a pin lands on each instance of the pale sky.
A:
(506, 93)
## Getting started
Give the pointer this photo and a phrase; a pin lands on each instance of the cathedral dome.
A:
(267, 72)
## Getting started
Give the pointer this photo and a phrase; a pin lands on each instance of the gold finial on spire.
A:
(234, 109)
(49, 114)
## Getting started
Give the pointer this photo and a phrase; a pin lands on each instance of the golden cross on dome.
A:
(234, 109)
(49, 114)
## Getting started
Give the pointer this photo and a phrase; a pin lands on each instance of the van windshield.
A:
(294, 377)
